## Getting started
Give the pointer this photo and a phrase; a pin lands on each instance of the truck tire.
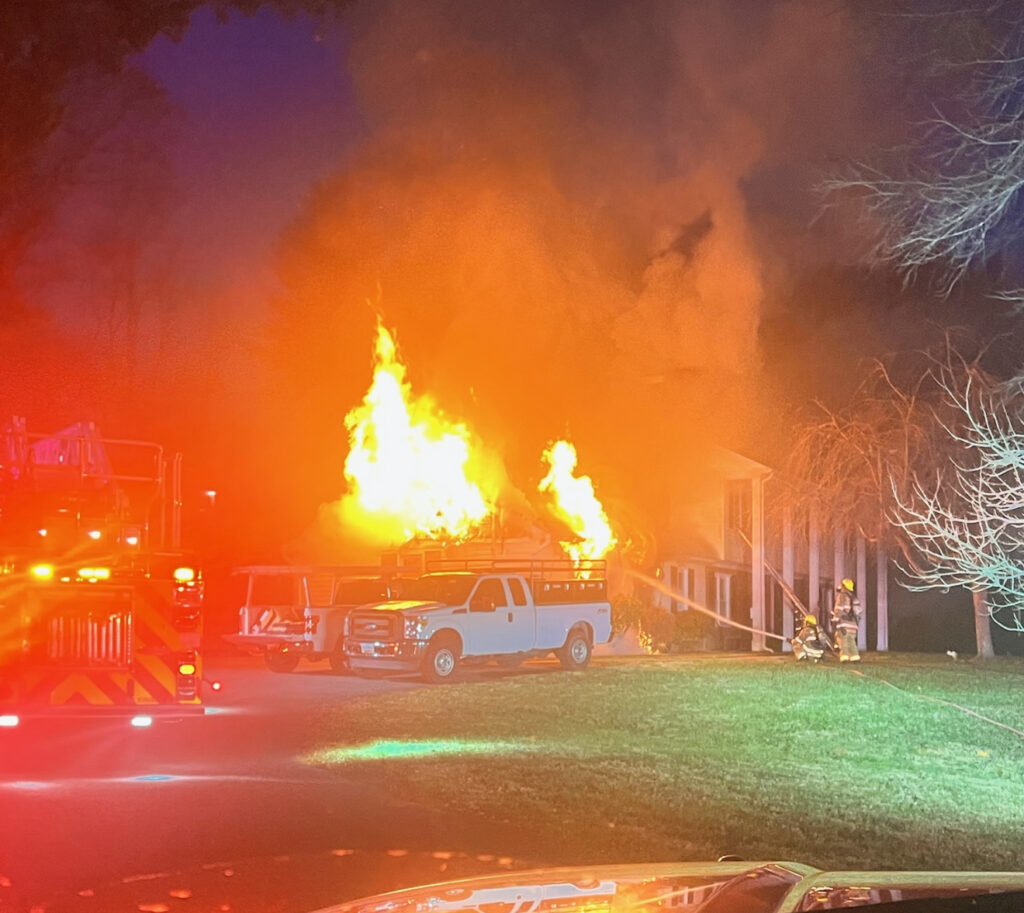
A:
(441, 661)
(338, 658)
(575, 654)
(281, 660)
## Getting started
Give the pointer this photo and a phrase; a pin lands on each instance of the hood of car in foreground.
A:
(721, 887)
(354, 881)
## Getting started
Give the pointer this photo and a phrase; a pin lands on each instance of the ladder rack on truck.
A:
(531, 568)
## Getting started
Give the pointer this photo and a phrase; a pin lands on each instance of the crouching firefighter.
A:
(809, 643)
(846, 614)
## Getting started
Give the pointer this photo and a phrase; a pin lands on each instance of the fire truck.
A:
(100, 609)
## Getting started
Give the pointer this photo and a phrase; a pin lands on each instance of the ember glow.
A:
(409, 466)
(577, 504)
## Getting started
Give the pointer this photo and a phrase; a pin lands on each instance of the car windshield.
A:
(442, 440)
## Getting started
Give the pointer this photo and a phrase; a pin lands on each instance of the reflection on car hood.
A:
(328, 882)
(404, 605)
(723, 887)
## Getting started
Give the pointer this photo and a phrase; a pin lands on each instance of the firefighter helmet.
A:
(847, 584)
(810, 620)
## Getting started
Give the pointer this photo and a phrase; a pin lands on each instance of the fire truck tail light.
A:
(9, 720)
(142, 721)
(184, 574)
(42, 571)
(186, 668)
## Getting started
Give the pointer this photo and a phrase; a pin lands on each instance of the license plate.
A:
(367, 648)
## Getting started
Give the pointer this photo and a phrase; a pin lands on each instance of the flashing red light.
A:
(142, 721)
(42, 571)
(184, 574)
(94, 534)
(216, 686)
(9, 720)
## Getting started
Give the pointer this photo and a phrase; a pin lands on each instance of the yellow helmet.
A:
(847, 584)
(810, 620)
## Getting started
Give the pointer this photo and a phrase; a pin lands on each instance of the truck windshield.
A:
(450, 589)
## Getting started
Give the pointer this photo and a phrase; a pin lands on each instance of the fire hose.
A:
(666, 590)
(663, 588)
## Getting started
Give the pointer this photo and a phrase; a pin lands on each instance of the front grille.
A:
(374, 625)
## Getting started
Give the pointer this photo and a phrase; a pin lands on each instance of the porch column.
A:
(862, 591)
(882, 597)
(788, 577)
(838, 557)
(813, 559)
(757, 613)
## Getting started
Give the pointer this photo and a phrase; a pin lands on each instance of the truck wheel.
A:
(576, 653)
(281, 660)
(338, 658)
(441, 660)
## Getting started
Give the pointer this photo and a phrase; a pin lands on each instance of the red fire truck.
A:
(100, 610)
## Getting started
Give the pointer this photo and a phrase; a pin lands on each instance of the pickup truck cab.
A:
(447, 618)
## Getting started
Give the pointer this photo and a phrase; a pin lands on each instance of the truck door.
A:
(520, 619)
(483, 624)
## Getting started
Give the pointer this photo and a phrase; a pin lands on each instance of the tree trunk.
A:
(982, 624)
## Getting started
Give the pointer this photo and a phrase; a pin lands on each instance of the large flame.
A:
(407, 463)
(577, 504)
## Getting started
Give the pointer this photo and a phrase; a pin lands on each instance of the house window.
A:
(738, 497)
(723, 595)
(682, 583)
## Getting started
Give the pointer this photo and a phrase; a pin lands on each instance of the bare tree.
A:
(930, 459)
(950, 197)
(963, 518)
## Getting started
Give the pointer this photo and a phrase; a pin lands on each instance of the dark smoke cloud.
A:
(573, 214)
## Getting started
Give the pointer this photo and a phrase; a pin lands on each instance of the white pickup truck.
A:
(450, 617)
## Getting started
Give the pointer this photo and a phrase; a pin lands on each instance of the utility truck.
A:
(472, 611)
(292, 613)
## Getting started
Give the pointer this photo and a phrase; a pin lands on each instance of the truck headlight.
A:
(414, 627)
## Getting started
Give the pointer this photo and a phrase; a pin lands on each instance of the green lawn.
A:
(672, 758)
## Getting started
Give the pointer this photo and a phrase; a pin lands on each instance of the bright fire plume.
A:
(407, 463)
(576, 503)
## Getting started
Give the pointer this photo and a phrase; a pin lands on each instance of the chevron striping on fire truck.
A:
(100, 609)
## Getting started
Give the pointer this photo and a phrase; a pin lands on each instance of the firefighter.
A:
(846, 616)
(808, 643)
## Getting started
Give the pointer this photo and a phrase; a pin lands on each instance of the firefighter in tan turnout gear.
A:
(808, 643)
(846, 614)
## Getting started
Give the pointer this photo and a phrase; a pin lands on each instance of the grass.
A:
(688, 759)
